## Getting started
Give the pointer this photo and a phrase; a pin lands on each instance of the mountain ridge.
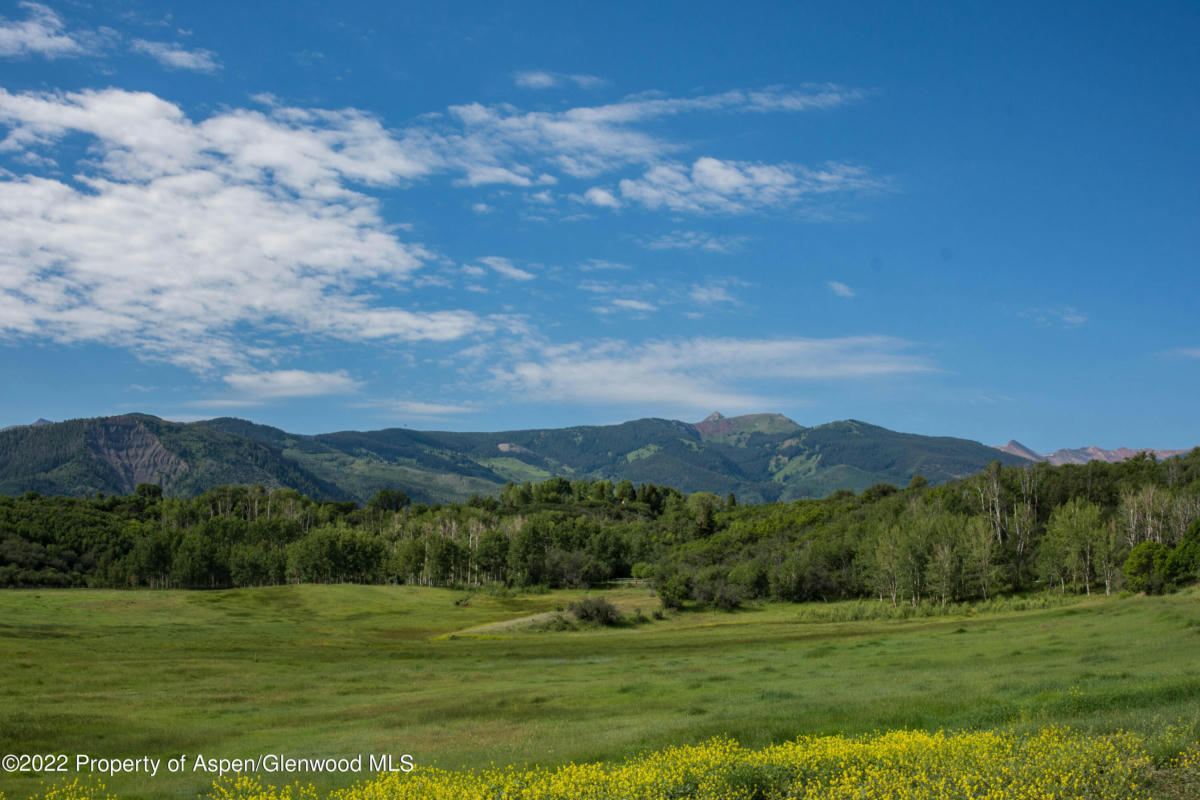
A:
(758, 457)
(1082, 455)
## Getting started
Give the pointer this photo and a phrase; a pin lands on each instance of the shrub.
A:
(597, 610)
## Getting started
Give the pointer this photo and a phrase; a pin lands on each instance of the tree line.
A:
(1093, 528)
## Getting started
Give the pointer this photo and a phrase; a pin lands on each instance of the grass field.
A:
(452, 680)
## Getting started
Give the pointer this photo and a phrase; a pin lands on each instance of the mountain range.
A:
(758, 457)
(1082, 455)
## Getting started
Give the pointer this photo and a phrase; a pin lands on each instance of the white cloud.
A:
(484, 174)
(539, 79)
(291, 383)
(1186, 352)
(1071, 317)
(840, 289)
(710, 295)
(1065, 316)
(597, 264)
(505, 142)
(175, 234)
(736, 187)
(175, 57)
(619, 287)
(505, 267)
(634, 305)
(482, 208)
(212, 243)
(601, 197)
(534, 80)
(416, 409)
(695, 240)
(41, 33)
(701, 373)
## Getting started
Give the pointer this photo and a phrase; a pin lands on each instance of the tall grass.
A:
(862, 610)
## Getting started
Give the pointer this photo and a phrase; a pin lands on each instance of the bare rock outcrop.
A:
(133, 453)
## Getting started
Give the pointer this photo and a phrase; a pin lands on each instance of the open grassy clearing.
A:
(337, 670)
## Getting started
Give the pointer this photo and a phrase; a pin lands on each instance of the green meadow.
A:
(465, 680)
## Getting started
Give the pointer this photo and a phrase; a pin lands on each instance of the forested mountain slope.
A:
(758, 457)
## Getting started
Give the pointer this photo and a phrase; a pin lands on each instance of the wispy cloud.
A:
(583, 142)
(1185, 352)
(1063, 316)
(1072, 317)
(710, 295)
(505, 267)
(176, 57)
(598, 264)
(40, 33)
(415, 409)
(701, 373)
(840, 289)
(540, 79)
(291, 383)
(695, 240)
(627, 305)
(711, 185)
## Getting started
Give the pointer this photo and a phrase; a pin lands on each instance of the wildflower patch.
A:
(1051, 764)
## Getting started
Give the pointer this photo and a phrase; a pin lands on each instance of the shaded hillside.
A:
(114, 454)
(758, 457)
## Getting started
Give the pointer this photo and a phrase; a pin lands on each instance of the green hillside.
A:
(114, 454)
(758, 457)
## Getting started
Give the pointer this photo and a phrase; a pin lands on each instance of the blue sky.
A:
(962, 219)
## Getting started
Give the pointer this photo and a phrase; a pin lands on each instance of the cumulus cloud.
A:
(174, 236)
(701, 373)
(40, 33)
(175, 57)
(601, 197)
(840, 289)
(216, 243)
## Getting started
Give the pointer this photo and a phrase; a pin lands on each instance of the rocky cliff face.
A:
(716, 426)
(133, 453)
